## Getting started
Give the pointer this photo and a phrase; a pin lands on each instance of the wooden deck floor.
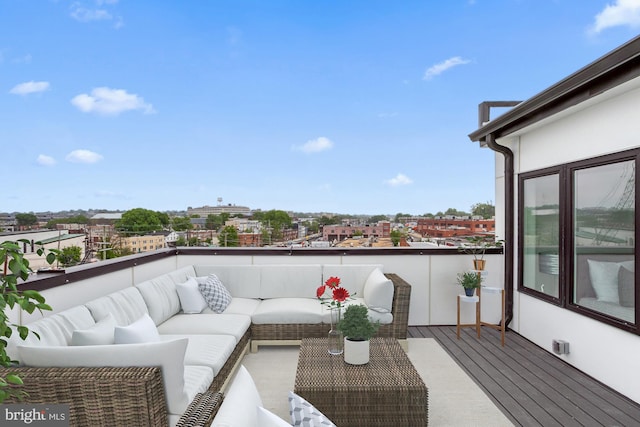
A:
(529, 385)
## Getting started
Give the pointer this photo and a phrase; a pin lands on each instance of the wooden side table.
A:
(472, 300)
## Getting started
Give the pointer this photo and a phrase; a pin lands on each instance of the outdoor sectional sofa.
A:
(171, 367)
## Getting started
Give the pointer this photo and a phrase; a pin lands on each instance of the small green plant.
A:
(356, 325)
(469, 279)
(15, 269)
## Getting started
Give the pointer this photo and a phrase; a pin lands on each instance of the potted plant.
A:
(15, 268)
(357, 329)
(477, 246)
(469, 280)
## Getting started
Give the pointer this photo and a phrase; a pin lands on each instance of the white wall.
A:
(606, 124)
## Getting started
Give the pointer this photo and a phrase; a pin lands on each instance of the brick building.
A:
(340, 232)
(454, 226)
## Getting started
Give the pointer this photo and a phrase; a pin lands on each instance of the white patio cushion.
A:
(167, 354)
(383, 318)
(197, 379)
(206, 350)
(239, 306)
(187, 324)
(378, 292)
(126, 306)
(182, 274)
(290, 281)
(161, 297)
(241, 281)
(352, 277)
(240, 404)
(288, 311)
(142, 330)
(267, 418)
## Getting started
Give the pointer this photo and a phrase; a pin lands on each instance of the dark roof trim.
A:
(609, 71)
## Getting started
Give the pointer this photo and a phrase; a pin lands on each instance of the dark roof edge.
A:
(609, 64)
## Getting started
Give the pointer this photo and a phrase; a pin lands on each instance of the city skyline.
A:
(347, 107)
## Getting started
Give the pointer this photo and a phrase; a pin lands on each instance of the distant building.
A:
(230, 209)
(340, 232)
(146, 243)
(454, 226)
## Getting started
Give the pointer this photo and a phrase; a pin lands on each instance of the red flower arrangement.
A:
(338, 293)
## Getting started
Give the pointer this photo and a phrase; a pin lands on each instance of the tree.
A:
(181, 241)
(276, 221)
(69, 256)
(395, 237)
(455, 212)
(228, 237)
(138, 222)
(181, 223)
(164, 219)
(377, 218)
(401, 215)
(16, 268)
(485, 210)
(214, 221)
(26, 219)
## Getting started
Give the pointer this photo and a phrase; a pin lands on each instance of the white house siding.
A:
(608, 123)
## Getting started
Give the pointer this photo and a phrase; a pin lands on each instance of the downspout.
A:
(509, 223)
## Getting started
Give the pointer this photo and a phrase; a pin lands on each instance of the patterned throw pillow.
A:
(214, 292)
(305, 414)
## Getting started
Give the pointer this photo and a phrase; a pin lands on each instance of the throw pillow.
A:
(626, 287)
(305, 414)
(240, 402)
(214, 292)
(604, 280)
(141, 331)
(191, 299)
(102, 333)
(267, 418)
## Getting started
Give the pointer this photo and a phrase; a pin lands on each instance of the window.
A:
(577, 237)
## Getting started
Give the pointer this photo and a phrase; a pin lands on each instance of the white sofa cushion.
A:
(267, 418)
(244, 306)
(239, 407)
(126, 306)
(161, 297)
(225, 324)
(182, 274)
(378, 292)
(241, 281)
(191, 300)
(214, 293)
(288, 311)
(212, 351)
(290, 281)
(352, 277)
(167, 354)
(196, 380)
(142, 330)
(102, 333)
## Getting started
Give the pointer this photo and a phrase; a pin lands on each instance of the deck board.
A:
(529, 385)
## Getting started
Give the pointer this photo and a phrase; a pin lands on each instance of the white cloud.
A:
(45, 160)
(444, 66)
(110, 102)
(83, 156)
(88, 14)
(620, 13)
(315, 145)
(29, 87)
(400, 179)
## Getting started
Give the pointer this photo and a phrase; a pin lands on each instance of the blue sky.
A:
(359, 107)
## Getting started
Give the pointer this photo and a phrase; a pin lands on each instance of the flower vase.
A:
(336, 341)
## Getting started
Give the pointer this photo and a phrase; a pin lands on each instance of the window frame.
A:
(566, 289)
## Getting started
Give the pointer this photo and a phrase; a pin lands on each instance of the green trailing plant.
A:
(16, 269)
(478, 245)
(356, 325)
(469, 279)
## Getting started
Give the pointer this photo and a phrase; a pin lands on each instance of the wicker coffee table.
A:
(388, 391)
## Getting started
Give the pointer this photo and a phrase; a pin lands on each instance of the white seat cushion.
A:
(206, 350)
(126, 306)
(223, 324)
(240, 306)
(288, 311)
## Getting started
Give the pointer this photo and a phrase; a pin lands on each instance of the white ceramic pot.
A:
(356, 352)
